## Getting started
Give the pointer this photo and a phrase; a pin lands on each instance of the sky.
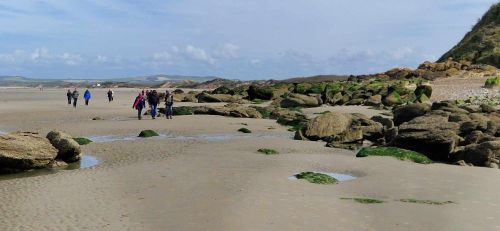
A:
(235, 39)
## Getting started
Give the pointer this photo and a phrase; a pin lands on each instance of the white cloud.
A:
(40, 54)
(227, 50)
(101, 59)
(198, 54)
(71, 59)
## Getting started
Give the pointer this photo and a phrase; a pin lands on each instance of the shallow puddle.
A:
(86, 161)
(207, 137)
(339, 176)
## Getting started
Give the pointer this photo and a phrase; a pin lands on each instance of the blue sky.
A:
(257, 39)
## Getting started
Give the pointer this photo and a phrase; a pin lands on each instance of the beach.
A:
(201, 174)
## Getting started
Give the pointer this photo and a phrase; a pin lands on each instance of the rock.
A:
(409, 111)
(298, 100)
(423, 90)
(459, 118)
(349, 136)
(493, 165)
(57, 164)
(487, 108)
(25, 150)
(299, 135)
(475, 137)
(431, 135)
(392, 99)
(374, 100)
(67, 148)
(233, 110)
(390, 134)
(217, 98)
(333, 98)
(356, 101)
(265, 92)
(97, 118)
(287, 117)
(480, 154)
(327, 125)
(386, 122)
(371, 130)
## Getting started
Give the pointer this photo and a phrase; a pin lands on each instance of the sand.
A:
(189, 180)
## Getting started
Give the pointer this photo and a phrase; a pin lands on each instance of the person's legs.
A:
(139, 113)
(74, 102)
(153, 110)
(69, 100)
(169, 112)
(87, 102)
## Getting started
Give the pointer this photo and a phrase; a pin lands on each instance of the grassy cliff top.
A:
(482, 44)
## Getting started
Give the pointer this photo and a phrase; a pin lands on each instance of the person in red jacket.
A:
(139, 104)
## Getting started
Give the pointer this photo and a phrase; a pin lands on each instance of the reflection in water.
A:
(86, 161)
(338, 176)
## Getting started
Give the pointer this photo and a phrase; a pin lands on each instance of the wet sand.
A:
(169, 183)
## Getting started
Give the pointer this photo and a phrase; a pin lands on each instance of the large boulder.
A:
(217, 98)
(408, 112)
(393, 98)
(431, 135)
(232, 110)
(265, 92)
(68, 149)
(299, 100)
(327, 125)
(482, 154)
(25, 150)
(374, 100)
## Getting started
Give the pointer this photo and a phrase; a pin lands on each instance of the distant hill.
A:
(139, 81)
(482, 44)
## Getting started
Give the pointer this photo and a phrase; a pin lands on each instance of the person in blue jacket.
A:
(87, 95)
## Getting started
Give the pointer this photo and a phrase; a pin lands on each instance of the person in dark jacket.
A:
(69, 95)
(110, 95)
(153, 100)
(75, 96)
(169, 103)
(139, 104)
(87, 95)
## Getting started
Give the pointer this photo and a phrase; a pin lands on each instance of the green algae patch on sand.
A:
(398, 153)
(492, 82)
(427, 202)
(316, 178)
(244, 130)
(183, 110)
(148, 133)
(268, 151)
(363, 200)
(82, 140)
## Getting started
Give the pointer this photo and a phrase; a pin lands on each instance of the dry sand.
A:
(203, 175)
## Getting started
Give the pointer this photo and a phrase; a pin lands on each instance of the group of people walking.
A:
(153, 99)
(73, 96)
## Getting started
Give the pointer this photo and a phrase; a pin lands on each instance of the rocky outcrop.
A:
(408, 112)
(25, 150)
(431, 135)
(68, 149)
(218, 98)
(341, 130)
(299, 100)
(232, 110)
